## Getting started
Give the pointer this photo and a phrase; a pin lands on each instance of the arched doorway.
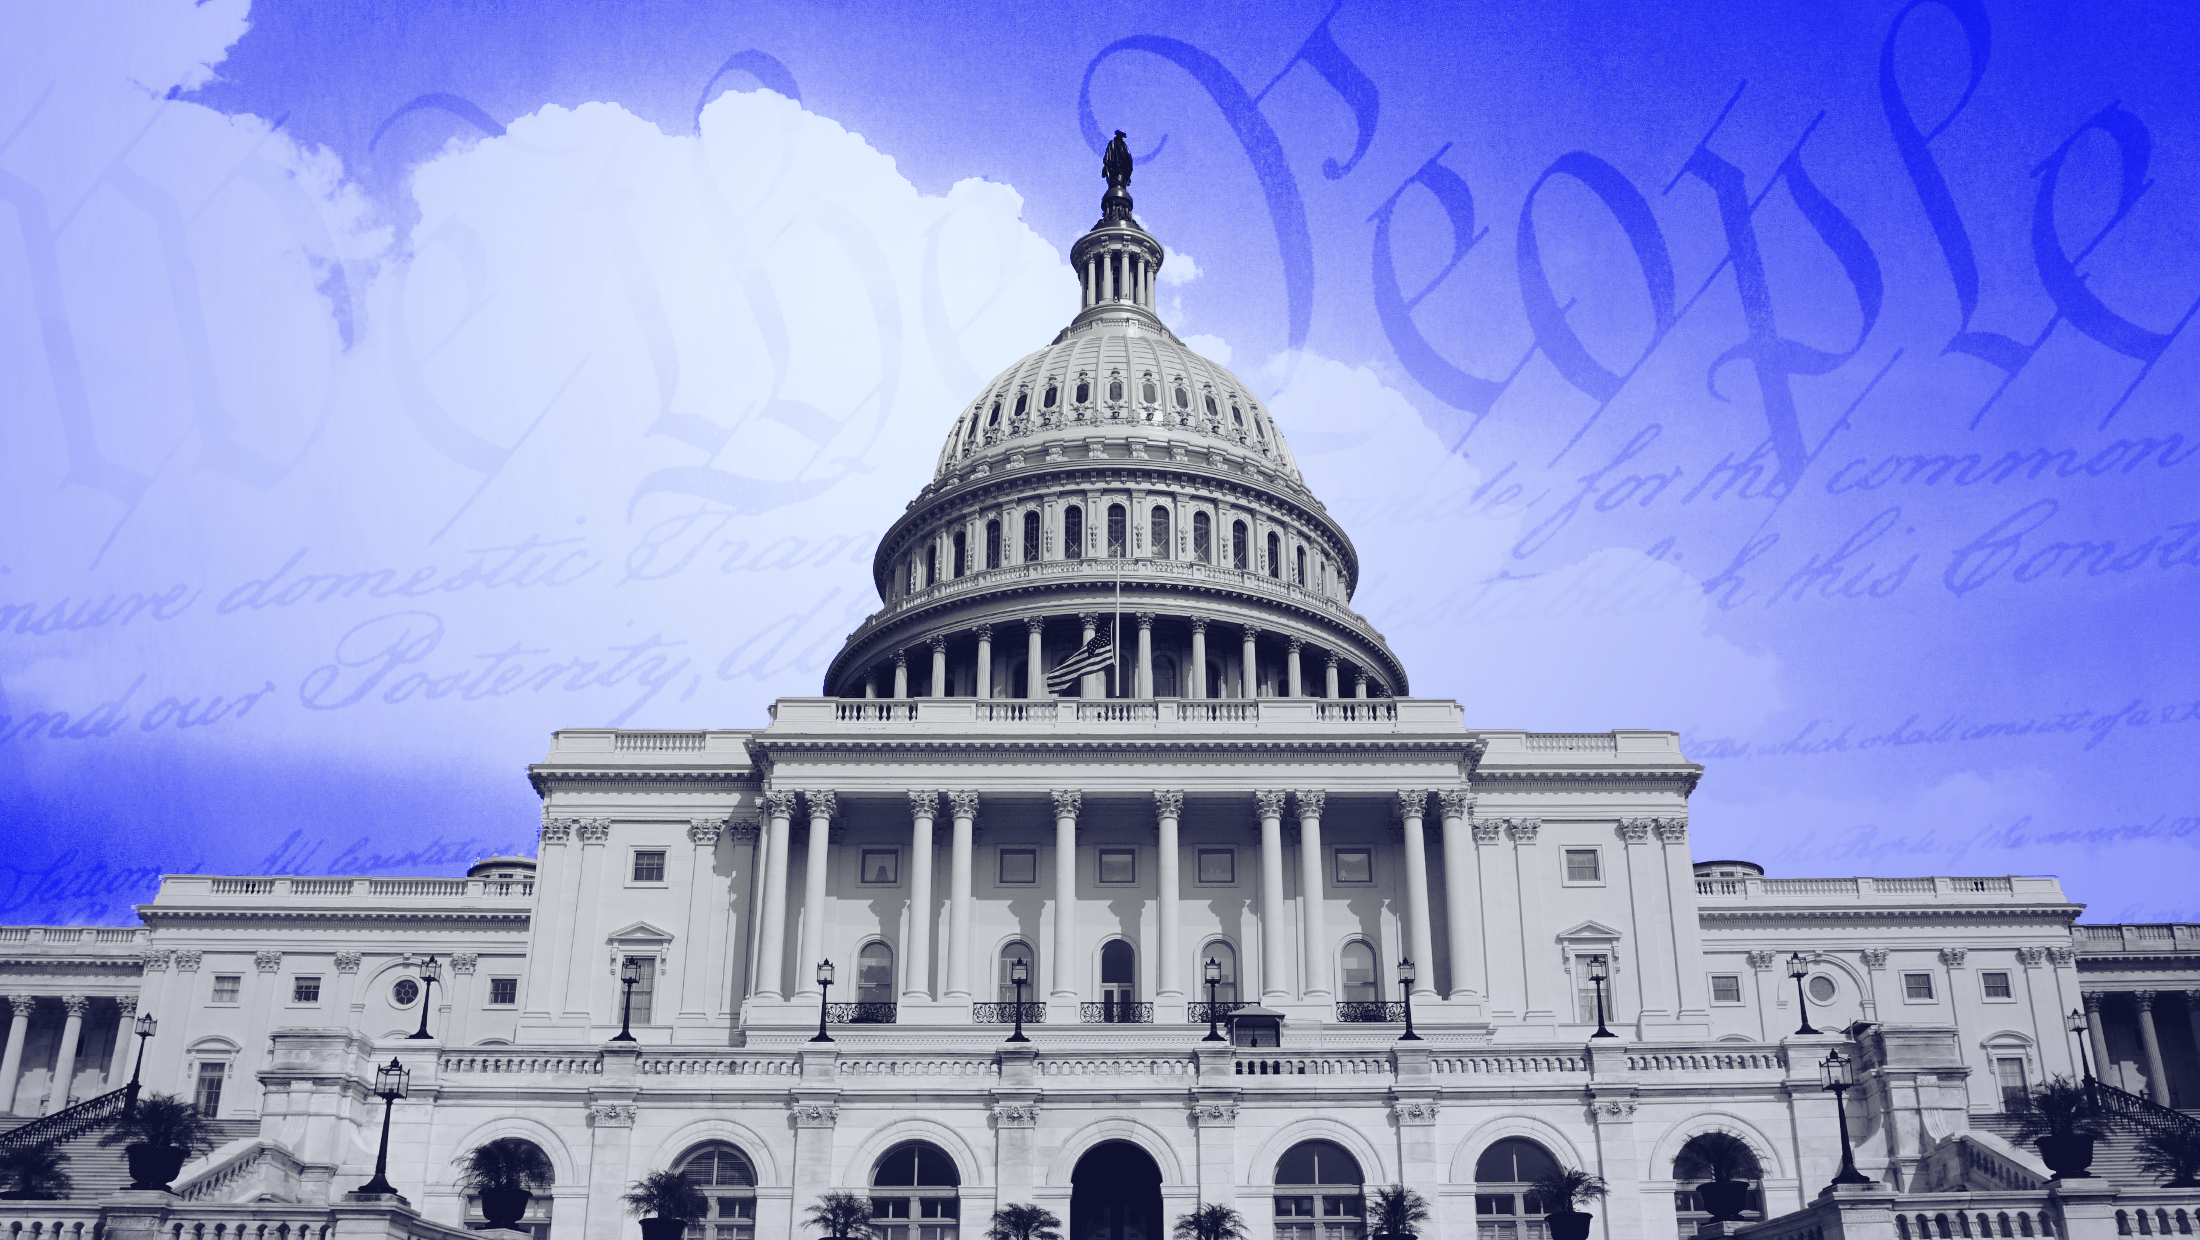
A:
(1506, 1206)
(915, 1193)
(1319, 1193)
(1115, 1194)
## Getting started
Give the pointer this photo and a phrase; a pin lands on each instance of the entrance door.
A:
(1115, 1194)
(1118, 981)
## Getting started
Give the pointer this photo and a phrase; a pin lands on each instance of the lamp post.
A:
(390, 1083)
(2079, 1028)
(430, 973)
(1796, 969)
(145, 1027)
(824, 988)
(1599, 974)
(1406, 974)
(1213, 973)
(1837, 1072)
(630, 975)
(1019, 972)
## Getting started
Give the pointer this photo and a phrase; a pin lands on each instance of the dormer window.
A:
(994, 419)
(1048, 401)
(1023, 402)
(1183, 398)
(1084, 390)
(1148, 392)
(1115, 389)
(1211, 407)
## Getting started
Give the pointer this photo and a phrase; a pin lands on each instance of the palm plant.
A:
(506, 1163)
(1210, 1222)
(1720, 1157)
(844, 1215)
(1024, 1222)
(1567, 1187)
(2059, 1107)
(1394, 1209)
(163, 1120)
(2174, 1154)
(33, 1173)
(668, 1195)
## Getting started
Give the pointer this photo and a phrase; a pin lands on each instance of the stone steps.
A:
(96, 1171)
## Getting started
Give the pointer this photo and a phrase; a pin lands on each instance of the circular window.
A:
(405, 992)
(1822, 989)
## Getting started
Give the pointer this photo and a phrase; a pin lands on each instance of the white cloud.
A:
(1214, 348)
(1177, 268)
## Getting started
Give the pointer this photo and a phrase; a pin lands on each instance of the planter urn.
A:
(1725, 1199)
(154, 1167)
(1570, 1225)
(2067, 1155)
(502, 1207)
(663, 1228)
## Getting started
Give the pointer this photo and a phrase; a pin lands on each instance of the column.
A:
(1273, 918)
(1412, 806)
(916, 968)
(557, 895)
(580, 957)
(1062, 987)
(771, 939)
(822, 803)
(2192, 1017)
(1167, 808)
(1092, 682)
(1329, 685)
(901, 674)
(1145, 654)
(1291, 667)
(870, 684)
(1313, 890)
(11, 1061)
(1035, 676)
(2157, 1076)
(2096, 1032)
(961, 952)
(939, 666)
(1251, 669)
(72, 1028)
(1462, 896)
(697, 978)
(985, 660)
(118, 1059)
(1199, 657)
(1359, 686)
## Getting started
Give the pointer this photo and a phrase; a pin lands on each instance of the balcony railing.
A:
(1035, 1013)
(1208, 1013)
(859, 1013)
(1115, 1012)
(1371, 1012)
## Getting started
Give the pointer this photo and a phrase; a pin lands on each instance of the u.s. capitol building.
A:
(1243, 821)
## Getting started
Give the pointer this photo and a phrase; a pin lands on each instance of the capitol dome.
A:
(1116, 475)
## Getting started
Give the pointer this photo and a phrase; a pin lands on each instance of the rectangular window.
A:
(1997, 985)
(1019, 865)
(1355, 865)
(226, 986)
(881, 865)
(1582, 866)
(1217, 865)
(645, 990)
(2009, 1075)
(1585, 989)
(649, 865)
(305, 990)
(1726, 988)
(1118, 865)
(503, 991)
(1917, 987)
(208, 1096)
(1294, 1207)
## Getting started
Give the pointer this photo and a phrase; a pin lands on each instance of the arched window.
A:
(1115, 389)
(1211, 406)
(1118, 532)
(1118, 982)
(1031, 538)
(1053, 393)
(1183, 398)
(1505, 1208)
(1300, 568)
(1010, 954)
(1203, 538)
(1260, 427)
(728, 1181)
(1225, 958)
(1275, 555)
(536, 1221)
(875, 973)
(970, 433)
(1716, 1157)
(1237, 420)
(1073, 532)
(918, 1180)
(1164, 675)
(1237, 544)
(1084, 390)
(1356, 973)
(1318, 1193)
(993, 419)
(962, 554)
(993, 544)
(931, 563)
(1148, 392)
(1160, 532)
(1023, 402)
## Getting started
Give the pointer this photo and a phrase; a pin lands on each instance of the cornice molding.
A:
(326, 913)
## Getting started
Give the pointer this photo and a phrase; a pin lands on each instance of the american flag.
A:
(1097, 655)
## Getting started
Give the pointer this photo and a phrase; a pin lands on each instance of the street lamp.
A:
(824, 988)
(1837, 1072)
(1214, 980)
(1406, 975)
(630, 975)
(430, 973)
(390, 1084)
(1796, 969)
(2080, 1027)
(1019, 972)
(145, 1026)
(1600, 975)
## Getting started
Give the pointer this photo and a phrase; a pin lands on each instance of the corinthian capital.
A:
(1311, 801)
(1270, 802)
(780, 803)
(924, 803)
(1413, 804)
(965, 802)
(824, 803)
(1168, 805)
(1068, 802)
(1458, 802)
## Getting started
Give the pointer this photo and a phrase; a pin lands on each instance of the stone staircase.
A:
(96, 1171)
(2115, 1157)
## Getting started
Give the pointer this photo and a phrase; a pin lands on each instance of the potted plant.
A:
(33, 1173)
(843, 1216)
(1730, 1163)
(505, 1174)
(1561, 1191)
(157, 1137)
(1209, 1222)
(1395, 1212)
(670, 1198)
(2174, 1155)
(1024, 1222)
(2058, 1117)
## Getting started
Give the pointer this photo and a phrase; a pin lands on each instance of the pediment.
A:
(1589, 930)
(639, 932)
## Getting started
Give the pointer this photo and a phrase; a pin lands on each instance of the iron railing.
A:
(1035, 1013)
(1371, 1012)
(70, 1122)
(2139, 1112)
(1115, 1012)
(1209, 1013)
(859, 1013)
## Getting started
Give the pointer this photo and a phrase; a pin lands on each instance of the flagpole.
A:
(1115, 638)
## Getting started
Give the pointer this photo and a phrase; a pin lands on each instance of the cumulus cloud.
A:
(1177, 268)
